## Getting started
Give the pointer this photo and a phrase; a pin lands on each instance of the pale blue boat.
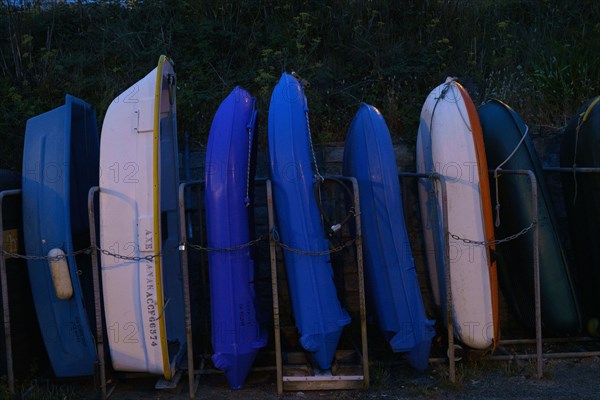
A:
(60, 164)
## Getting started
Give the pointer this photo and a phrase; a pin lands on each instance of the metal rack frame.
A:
(539, 340)
(5, 306)
(337, 382)
(104, 393)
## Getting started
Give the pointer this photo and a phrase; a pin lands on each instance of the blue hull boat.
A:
(317, 311)
(505, 132)
(390, 275)
(236, 333)
(60, 164)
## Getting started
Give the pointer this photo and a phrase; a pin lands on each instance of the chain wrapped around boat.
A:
(496, 241)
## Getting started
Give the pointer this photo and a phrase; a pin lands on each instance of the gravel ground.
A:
(563, 379)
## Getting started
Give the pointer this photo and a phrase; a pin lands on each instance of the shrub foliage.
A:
(540, 56)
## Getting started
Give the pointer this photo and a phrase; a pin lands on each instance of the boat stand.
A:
(539, 355)
(193, 377)
(101, 366)
(434, 176)
(293, 370)
(10, 375)
(449, 318)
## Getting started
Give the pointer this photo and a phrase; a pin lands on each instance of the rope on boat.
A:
(497, 176)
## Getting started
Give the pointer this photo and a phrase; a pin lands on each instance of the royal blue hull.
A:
(390, 276)
(236, 333)
(60, 164)
(317, 311)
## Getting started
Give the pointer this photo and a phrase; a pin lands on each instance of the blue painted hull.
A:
(236, 333)
(60, 164)
(317, 311)
(390, 275)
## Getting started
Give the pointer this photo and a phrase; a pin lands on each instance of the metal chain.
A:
(493, 242)
(318, 175)
(8, 254)
(225, 249)
(150, 257)
(337, 249)
(248, 168)
(88, 250)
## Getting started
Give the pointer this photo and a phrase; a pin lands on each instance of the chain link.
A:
(151, 257)
(277, 241)
(225, 249)
(493, 242)
(87, 250)
(7, 254)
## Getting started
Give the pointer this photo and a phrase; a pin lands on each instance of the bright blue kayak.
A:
(60, 164)
(236, 333)
(390, 274)
(317, 311)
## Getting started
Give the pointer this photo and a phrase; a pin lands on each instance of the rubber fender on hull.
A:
(59, 268)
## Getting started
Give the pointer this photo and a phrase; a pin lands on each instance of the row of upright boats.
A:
(135, 164)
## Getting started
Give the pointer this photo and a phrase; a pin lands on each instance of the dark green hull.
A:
(502, 131)
(582, 200)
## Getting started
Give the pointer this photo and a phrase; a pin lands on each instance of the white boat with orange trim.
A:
(450, 142)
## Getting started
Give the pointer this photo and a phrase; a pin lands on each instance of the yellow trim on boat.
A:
(156, 212)
(589, 109)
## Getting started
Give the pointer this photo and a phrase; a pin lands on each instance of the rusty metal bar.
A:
(446, 237)
(97, 298)
(192, 382)
(275, 289)
(566, 169)
(10, 375)
(536, 264)
(361, 278)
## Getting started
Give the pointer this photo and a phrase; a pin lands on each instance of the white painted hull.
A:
(131, 184)
(446, 144)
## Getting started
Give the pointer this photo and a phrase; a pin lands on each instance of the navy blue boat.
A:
(317, 311)
(503, 131)
(581, 148)
(390, 274)
(60, 164)
(236, 333)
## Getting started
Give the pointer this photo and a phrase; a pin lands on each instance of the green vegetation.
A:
(540, 56)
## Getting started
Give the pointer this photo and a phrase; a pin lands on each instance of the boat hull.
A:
(390, 275)
(581, 148)
(317, 311)
(143, 295)
(502, 132)
(449, 142)
(236, 333)
(60, 164)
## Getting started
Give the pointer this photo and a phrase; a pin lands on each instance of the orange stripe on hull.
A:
(486, 203)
